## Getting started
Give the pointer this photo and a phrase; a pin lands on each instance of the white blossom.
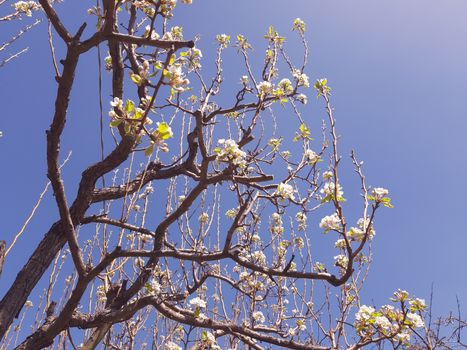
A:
(301, 78)
(311, 156)
(117, 103)
(285, 191)
(26, 7)
(198, 302)
(176, 77)
(223, 39)
(148, 29)
(341, 260)
(329, 189)
(301, 325)
(228, 151)
(258, 257)
(302, 98)
(415, 320)
(276, 226)
(231, 213)
(404, 337)
(171, 346)
(330, 222)
(301, 219)
(364, 313)
(204, 218)
(145, 238)
(299, 243)
(340, 243)
(401, 295)
(357, 234)
(299, 25)
(153, 287)
(382, 322)
(209, 341)
(379, 193)
(258, 317)
(255, 238)
(417, 304)
(286, 86)
(327, 175)
(264, 88)
(101, 294)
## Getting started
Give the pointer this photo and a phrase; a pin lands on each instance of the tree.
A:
(203, 279)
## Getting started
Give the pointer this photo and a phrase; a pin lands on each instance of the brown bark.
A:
(2, 254)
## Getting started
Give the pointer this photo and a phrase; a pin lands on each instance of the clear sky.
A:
(398, 70)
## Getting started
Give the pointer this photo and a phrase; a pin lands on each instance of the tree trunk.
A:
(27, 278)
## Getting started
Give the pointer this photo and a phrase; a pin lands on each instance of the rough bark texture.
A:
(29, 275)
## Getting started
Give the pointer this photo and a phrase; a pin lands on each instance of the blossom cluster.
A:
(311, 156)
(198, 303)
(208, 341)
(301, 220)
(301, 78)
(330, 222)
(388, 321)
(258, 317)
(223, 40)
(330, 193)
(285, 191)
(229, 151)
(276, 226)
(299, 25)
(171, 346)
(357, 234)
(264, 89)
(26, 7)
(176, 77)
(252, 281)
(126, 112)
(380, 195)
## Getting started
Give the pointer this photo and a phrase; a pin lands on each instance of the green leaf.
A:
(127, 128)
(136, 79)
(138, 114)
(158, 65)
(129, 106)
(115, 123)
(148, 151)
(164, 131)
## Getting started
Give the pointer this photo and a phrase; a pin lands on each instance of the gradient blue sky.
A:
(398, 70)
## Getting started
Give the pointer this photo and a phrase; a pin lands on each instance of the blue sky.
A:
(398, 71)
